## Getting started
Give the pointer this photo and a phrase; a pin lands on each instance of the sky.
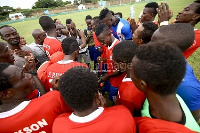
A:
(23, 4)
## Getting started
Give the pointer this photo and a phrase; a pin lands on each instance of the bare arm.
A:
(83, 40)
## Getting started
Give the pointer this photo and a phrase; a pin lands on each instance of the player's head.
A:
(149, 12)
(180, 34)
(10, 35)
(95, 21)
(88, 20)
(47, 23)
(14, 83)
(70, 24)
(118, 14)
(58, 29)
(22, 40)
(123, 54)
(70, 47)
(57, 21)
(190, 14)
(106, 17)
(158, 67)
(39, 36)
(6, 54)
(144, 33)
(78, 87)
(103, 34)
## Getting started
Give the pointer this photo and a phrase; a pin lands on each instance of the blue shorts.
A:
(109, 88)
(94, 53)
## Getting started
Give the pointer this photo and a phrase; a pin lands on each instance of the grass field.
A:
(25, 28)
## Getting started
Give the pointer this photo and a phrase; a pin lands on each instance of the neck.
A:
(192, 23)
(113, 39)
(127, 73)
(114, 19)
(51, 33)
(13, 47)
(164, 107)
(38, 42)
(68, 57)
(88, 111)
(9, 105)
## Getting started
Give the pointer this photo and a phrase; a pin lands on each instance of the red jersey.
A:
(149, 125)
(35, 116)
(116, 119)
(51, 45)
(130, 96)
(42, 70)
(59, 68)
(116, 81)
(195, 45)
(96, 42)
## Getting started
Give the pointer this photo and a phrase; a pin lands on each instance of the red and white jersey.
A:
(35, 116)
(116, 119)
(51, 45)
(59, 68)
(116, 81)
(130, 96)
(195, 45)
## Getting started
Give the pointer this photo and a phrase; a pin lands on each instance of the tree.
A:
(4, 12)
(45, 4)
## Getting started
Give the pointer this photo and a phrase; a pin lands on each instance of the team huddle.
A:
(118, 76)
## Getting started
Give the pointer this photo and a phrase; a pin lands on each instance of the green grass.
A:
(25, 28)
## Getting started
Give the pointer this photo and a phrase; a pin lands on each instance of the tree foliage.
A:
(48, 3)
(4, 12)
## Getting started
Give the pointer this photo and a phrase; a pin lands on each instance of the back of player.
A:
(116, 119)
(78, 86)
(51, 44)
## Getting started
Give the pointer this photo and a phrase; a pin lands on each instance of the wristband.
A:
(80, 47)
(164, 23)
(33, 73)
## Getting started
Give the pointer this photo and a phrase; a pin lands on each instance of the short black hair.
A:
(46, 23)
(69, 45)
(119, 13)
(103, 13)
(78, 87)
(197, 11)
(182, 34)
(149, 29)
(161, 65)
(153, 6)
(96, 20)
(88, 17)
(68, 21)
(55, 20)
(4, 27)
(4, 78)
(124, 51)
(102, 28)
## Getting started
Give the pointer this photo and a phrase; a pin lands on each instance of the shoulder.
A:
(26, 48)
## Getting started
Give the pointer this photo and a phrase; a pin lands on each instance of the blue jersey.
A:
(122, 30)
(189, 89)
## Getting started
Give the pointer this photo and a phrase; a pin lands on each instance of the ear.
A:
(143, 86)
(6, 94)
(196, 17)
(140, 42)
(151, 15)
(96, 99)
